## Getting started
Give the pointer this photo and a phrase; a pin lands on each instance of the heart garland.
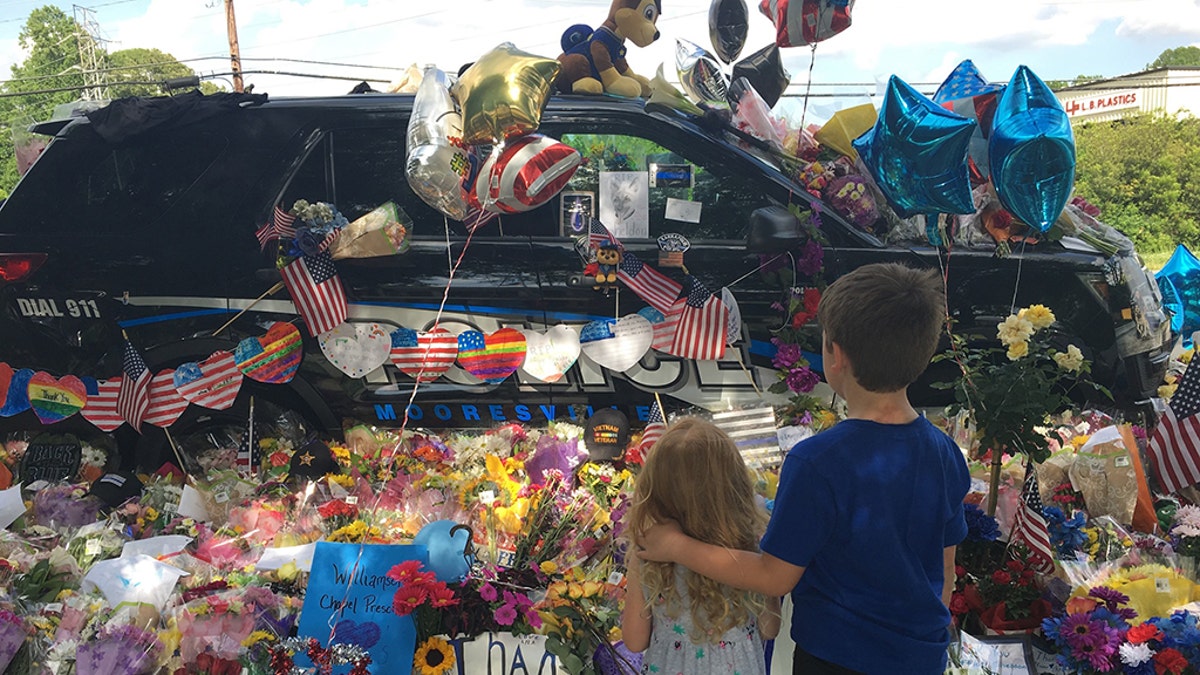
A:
(424, 356)
(356, 348)
(54, 400)
(549, 355)
(491, 357)
(273, 358)
(617, 344)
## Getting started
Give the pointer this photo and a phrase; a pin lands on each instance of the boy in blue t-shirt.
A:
(868, 514)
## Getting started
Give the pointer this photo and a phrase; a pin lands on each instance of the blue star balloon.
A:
(965, 81)
(917, 153)
(1032, 151)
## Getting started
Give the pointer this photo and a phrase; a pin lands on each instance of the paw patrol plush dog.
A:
(593, 62)
(607, 260)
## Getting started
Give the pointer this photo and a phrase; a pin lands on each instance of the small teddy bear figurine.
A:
(593, 62)
(608, 257)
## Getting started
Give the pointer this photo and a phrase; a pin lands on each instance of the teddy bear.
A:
(593, 62)
(604, 269)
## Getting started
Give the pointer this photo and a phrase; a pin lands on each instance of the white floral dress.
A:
(671, 652)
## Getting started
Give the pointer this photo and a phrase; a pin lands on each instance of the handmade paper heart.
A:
(213, 383)
(6, 373)
(548, 355)
(356, 348)
(166, 404)
(365, 634)
(101, 406)
(17, 401)
(491, 357)
(425, 354)
(54, 400)
(617, 344)
(273, 358)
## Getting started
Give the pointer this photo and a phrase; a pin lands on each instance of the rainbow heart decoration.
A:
(356, 348)
(101, 406)
(491, 357)
(272, 358)
(212, 383)
(425, 354)
(54, 400)
(548, 355)
(17, 400)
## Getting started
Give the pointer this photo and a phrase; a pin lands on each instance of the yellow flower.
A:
(1018, 350)
(549, 567)
(433, 657)
(1186, 357)
(257, 637)
(1080, 440)
(287, 571)
(340, 452)
(1039, 316)
(1013, 329)
(342, 480)
(152, 513)
(1071, 360)
(1167, 390)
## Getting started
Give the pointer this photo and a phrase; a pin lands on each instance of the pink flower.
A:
(407, 599)
(440, 596)
(506, 615)
(488, 592)
(405, 571)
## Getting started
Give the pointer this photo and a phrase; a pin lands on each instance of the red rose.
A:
(958, 604)
(1001, 577)
(1169, 661)
(1015, 566)
(960, 571)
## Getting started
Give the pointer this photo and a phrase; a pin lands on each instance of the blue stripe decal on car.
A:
(172, 317)
(559, 316)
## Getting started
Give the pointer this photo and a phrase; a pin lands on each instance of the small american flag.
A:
(247, 455)
(316, 291)
(598, 234)
(1029, 525)
(135, 388)
(280, 227)
(1174, 449)
(655, 427)
(657, 289)
(703, 323)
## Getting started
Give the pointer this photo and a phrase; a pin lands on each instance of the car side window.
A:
(662, 177)
(358, 169)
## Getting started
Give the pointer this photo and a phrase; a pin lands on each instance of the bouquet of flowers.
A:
(317, 227)
(65, 506)
(216, 624)
(1011, 599)
(1089, 637)
(421, 595)
(124, 650)
(13, 632)
(1012, 390)
(1185, 538)
(579, 617)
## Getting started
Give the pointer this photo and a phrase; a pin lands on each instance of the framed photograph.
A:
(574, 210)
(625, 203)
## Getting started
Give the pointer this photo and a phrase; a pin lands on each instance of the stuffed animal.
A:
(608, 257)
(593, 62)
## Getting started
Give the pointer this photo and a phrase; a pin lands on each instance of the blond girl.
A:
(684, 622)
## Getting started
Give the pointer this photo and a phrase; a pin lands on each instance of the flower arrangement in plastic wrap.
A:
(123, 650)
(1185, 536)
(65, 506)
(13, 632)
(1012, 390)
(216, 624)
(977, 556)
(581, 618)
(317, 223)
(1089, 636)
(1011, 598)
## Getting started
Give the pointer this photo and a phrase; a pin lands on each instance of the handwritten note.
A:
(353, 595)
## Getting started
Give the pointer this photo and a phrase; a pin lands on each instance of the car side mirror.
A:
(773, 229)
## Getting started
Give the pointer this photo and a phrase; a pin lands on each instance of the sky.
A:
(918, 41)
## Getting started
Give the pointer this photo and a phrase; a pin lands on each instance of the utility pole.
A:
(89, 57)
(235, 55)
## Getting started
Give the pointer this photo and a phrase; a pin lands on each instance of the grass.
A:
(1154, 260)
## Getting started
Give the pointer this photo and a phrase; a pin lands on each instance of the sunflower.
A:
(434, 657)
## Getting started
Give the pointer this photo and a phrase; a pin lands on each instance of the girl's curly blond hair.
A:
(695, 476)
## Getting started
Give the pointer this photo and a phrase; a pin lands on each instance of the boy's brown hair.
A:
(887, 318)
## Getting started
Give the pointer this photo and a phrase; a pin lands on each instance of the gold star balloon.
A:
(503, 93)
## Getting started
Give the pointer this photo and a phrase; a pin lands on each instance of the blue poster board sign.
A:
(354, 604)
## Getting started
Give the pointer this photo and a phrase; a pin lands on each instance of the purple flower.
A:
(1112, 599)
(811, 258)
(787, 355)
(802, 380)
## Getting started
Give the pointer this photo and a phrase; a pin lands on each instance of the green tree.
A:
(145, 65)
(1178, 56)
(1077, 80)
(1144, 175)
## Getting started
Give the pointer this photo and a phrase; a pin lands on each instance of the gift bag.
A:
(1103, 473)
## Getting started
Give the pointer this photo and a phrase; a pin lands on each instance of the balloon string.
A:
(1012, 309)
(362, 544)
(812, 61)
